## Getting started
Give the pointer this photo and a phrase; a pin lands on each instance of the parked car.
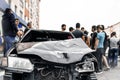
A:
(49, 55)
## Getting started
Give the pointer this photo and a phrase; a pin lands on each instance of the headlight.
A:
(86, 66)
(19, 64)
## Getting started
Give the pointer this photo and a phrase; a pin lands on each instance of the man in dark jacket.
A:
(9, 29)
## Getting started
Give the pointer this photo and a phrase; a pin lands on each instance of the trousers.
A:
(8, 43)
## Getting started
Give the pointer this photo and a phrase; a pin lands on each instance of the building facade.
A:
(34, 12)
(25, 10)
(114, 28)
(28, 10)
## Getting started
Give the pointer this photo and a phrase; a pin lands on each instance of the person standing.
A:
(113, 50)
(118, 43)
(87, 38)
(99, 46)
(93, 40)
(18, 25)
(106, 39)
(63, 27)
(105, 44)
(93, 37)
(78, 33)
(17, 38)
(71, 29)
(9, 29)
(83, 29)
(29, 26)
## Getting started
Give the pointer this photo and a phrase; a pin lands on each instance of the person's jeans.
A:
(99, 54)
(113, 56)
(8, 43)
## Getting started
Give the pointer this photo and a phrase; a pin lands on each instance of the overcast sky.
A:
(53, 13)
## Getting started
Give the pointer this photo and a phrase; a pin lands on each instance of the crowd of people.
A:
(12, 32)
(101, 43)
(98, 40)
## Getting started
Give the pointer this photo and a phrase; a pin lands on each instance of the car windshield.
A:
(44, 35)
(34, 36)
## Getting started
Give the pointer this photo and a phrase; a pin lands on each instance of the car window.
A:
(39, 36)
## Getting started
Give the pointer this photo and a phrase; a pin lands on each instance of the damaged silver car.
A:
(49, 55)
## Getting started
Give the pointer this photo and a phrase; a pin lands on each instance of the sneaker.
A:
(107, 69)
(99, 72)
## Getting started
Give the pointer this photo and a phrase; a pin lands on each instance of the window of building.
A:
(9, 1)
(25, 18)
(21, 14)
(15, 9)
(31, 13)
(21, 3)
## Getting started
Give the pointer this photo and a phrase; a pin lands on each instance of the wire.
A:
(45, 74)
(53, 75)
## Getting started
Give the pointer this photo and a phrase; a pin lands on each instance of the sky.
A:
(54, 13)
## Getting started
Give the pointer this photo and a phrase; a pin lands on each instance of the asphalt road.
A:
(112, 74)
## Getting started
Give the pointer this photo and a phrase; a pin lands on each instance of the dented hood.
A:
(64, 51)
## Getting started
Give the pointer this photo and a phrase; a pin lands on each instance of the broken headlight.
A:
(87, 66)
